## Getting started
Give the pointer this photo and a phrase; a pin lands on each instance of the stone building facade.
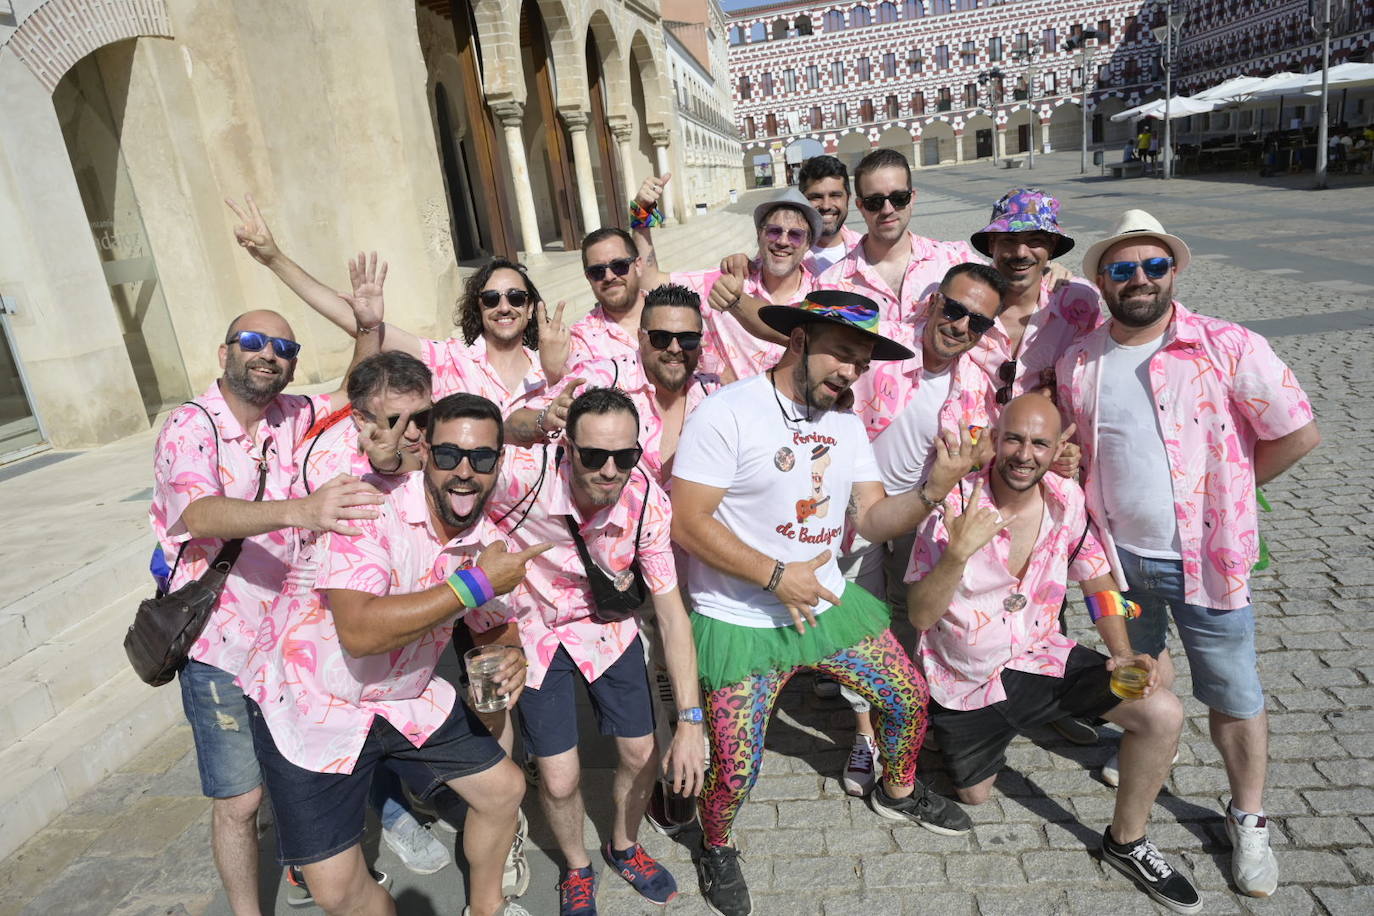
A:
(438, 131)
(943, 80)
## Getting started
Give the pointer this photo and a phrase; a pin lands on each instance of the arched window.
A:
(887, 12)
(779, 28)
(758, 32)
(736, 35)
(859, 16)
(834, 21)
(938, 7)
(913, 9)
(803, 25)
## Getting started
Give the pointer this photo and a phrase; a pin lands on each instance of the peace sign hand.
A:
(367, 278)
(252, 232)
(382, 444)
(555, 340)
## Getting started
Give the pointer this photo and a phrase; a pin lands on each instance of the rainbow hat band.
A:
(833, 306)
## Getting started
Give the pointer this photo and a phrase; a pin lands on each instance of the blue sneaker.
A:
(577, 892)
(643, 872)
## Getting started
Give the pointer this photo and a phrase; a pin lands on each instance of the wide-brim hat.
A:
(833, 306)
(793, 199)
(1024, 210)
(1132, 225)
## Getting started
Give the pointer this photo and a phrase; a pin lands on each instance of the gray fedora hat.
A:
(791, 198)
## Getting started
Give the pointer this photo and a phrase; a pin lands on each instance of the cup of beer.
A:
(1129, 682)
(482, 663)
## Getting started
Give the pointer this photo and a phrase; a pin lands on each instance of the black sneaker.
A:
(933, 812)
(298, 894)
(722, 882)
(1075, 730)
(1141, 862)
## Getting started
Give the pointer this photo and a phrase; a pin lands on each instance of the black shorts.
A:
(974, 741)
(620, 698)
(319, 815)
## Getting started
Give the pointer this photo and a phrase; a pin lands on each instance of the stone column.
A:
(511, 114)
(1001, 135)
(622, 130)
(577, 122)
(660, 137)
(916, 152)
(958, 146)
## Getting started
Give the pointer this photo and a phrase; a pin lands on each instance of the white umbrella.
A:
(1180, 106)
(1341, 76)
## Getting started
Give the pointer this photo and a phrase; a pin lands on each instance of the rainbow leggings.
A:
(878, 669)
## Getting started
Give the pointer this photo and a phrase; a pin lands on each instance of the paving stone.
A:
(1053, 867)
(152, 824)
(41, 859)
(986, 870)
(1357, 770)
(85, 888)
(1340, 801)
(814, 873)
(866, 840)
(775, 843)
(867, 902)
(812, 813)
(1326, 831)
(1288, 900)
(1010, 838)
(1102, 901)
(1346, 901)
(1361, 861)
(778, 788)
(994, 903)
(905, 870)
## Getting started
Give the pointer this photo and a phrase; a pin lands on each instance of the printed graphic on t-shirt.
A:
(816, 506)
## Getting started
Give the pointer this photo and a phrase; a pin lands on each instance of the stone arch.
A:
(1066, 127)
(898, 138)
(852, 147)
(645, 63)
(54, 37)
(978, 121)
(1020, 119)
(646, 109)
(613, 64)
(1114, 134)
(566, 53)
(937, 142)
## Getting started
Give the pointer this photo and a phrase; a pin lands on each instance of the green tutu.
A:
(728, 653)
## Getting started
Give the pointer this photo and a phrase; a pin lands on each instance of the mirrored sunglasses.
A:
(1121, 271)
(253, 341)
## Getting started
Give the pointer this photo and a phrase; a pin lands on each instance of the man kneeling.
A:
(985, 588)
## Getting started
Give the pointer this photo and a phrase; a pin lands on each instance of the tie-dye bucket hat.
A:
(1024, 210)
(833, 306)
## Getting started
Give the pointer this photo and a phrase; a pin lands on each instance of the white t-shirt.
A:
(903, 449)
(1137, 489)
(787, 485)
(823, 258)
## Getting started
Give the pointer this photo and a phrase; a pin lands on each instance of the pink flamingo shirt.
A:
(552, 607)
(995, 620)
(457, 366)
(929, 261)
(1219, 388)
(193, 460)
(726, 343)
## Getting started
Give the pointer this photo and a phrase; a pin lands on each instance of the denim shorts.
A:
(620, 698)
(319, 815)
(215, 707)
(1220, 644)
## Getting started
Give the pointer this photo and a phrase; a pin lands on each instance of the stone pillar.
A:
(622, 131)
(958, 146)
(511, 114)
(660, 138)
(1001, 135)
(916, 151)
(577, 122)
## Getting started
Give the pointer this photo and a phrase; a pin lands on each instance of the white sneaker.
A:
(1253, 866)
(1111, 770)
(515, 879)
(510, 909)
(860, 773)
(418, 849)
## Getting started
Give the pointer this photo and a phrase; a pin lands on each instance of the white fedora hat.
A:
(1136, 224)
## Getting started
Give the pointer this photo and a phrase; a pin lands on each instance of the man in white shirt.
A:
(824, 181)
(762, 471)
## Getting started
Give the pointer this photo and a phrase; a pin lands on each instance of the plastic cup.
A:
(482, 663)
(1129, 682)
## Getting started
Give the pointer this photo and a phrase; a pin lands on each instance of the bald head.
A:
(1026, 440)
(264, 320)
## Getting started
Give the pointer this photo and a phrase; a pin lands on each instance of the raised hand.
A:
(342, 500)
(725, 292)
(800, 591)
(736, 264)
(555, 340)
(971, 531)
(955, 456)
(504, 569)
(651, 191)
(367, 302)
(1059, 274)
(252, 232)
(555, 418)
(382, 444)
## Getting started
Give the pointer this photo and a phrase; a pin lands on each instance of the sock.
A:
(1240, 816)
(622, 853)
(1121, 846)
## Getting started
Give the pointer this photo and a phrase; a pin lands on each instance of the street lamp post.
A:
(1322, 124)
(1032, 71)
(1173, 22)
(984, 79)
(1085, 61)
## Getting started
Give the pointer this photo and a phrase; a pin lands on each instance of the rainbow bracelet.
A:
(472, 587)
(641, 218)
(1110, 604)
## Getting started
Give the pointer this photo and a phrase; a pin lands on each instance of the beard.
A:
(1018, 484)
(251, 388)
(442, 498)
(819, 395)
(1140, 312)
(585, 482)
(670, 375)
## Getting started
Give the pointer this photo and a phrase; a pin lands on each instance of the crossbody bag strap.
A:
(214, 431)
(1074, 556)
(229, 553)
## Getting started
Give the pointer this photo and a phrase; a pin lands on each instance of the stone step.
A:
(47, 680)
(55, 764)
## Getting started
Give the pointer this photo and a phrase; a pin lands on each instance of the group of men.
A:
(714, 480)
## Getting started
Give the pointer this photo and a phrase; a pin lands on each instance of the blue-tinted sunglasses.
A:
(1121, 271)
(253, 341)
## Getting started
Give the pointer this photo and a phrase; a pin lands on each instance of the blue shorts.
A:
(215, 707)
(620, 698)
(319, 815)
(1220, 644)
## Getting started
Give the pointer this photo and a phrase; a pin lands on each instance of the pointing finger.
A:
(530, 553)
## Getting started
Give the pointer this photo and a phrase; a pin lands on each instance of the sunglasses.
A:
(1006, 374)
(253, 341)
(491, 298)
(597, 272)
(955, 310)
(447, 457)
(662, 340)
(420, 418)
(1121, 271)
(874, 202)
(795, 237)
(595, 458)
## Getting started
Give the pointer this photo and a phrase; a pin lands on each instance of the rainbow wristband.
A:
(641, 218)
(472, 587)
(1110, 604)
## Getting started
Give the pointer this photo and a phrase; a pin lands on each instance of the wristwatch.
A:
(691, 715)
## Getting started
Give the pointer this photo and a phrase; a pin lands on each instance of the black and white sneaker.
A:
(933, 812)
(1075, 730)
(1142, 863)
(722, 882)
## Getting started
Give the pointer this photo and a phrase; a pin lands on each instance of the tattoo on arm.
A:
(852, 510)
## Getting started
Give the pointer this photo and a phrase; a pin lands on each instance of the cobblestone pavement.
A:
(1276, 256)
